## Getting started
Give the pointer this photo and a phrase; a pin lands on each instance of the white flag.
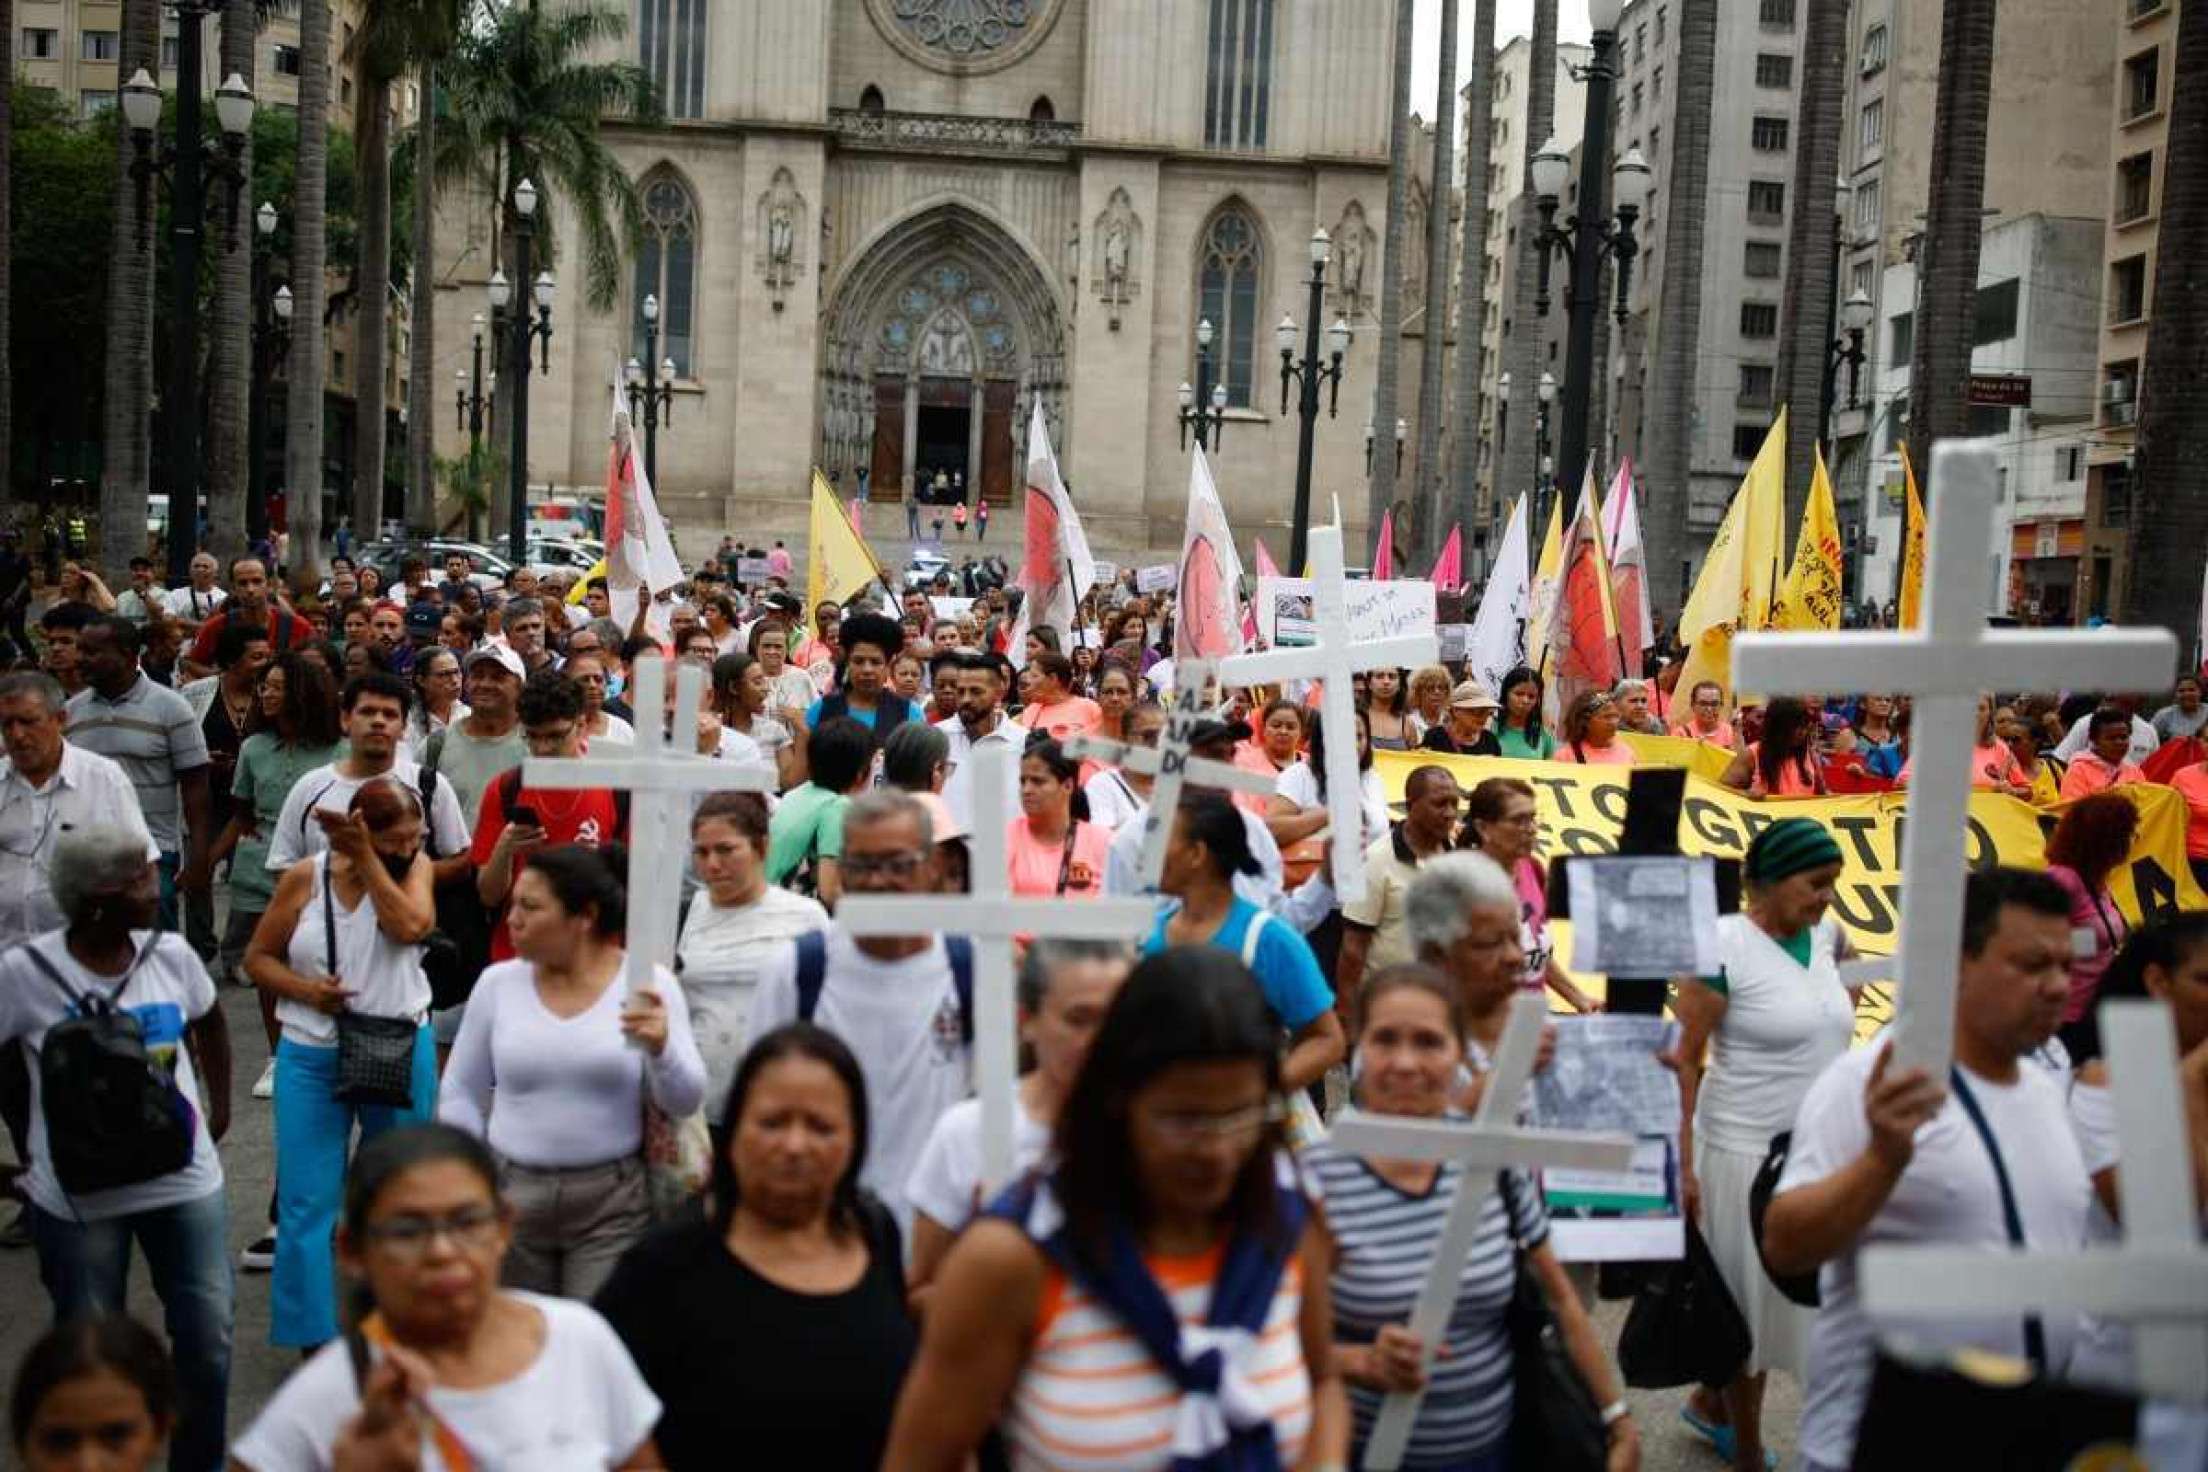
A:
(1496, 644)
(1056, 570)
(1628, 560)
(638, 549)
(1205, 625)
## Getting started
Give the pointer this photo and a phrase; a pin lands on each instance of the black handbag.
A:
(1799, 1288)
(1684, 1327)
(1555, 1424)
(375, 1055)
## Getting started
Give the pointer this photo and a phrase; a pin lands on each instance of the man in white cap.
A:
(471, 754)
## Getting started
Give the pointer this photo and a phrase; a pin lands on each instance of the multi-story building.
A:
(2138, 127)
(1506, 181)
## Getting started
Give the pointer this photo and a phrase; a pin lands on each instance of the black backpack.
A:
(812, 977)
(114, 1116)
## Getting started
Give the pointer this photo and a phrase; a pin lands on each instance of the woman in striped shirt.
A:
(1383, 1221)
(1153, 1300)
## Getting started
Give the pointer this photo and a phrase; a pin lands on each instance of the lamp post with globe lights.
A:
(183, 165)
(1846, 351)
(652, 401)
(523, 331)
(1312, 373)
(1204, 407)
(1402, 433)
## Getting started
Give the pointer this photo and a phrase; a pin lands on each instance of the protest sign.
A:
(1107, 573)
(950, 607)
(753, 572)
(1390, 610)
(1158, 579)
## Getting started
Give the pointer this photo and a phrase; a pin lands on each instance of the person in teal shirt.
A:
(1522, 735)
(807, 827)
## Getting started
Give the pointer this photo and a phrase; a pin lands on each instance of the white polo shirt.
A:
(958, 787)
(86, 790)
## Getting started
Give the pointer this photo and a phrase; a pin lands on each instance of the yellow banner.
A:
(1811, 598)
(1911, 611)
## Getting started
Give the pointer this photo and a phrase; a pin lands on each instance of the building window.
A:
(1987, 421)
(670, 39)
(2120, 392)
(1656, 87)
(1901, 339)
(41, 43)
(1227, 297)
(1866, 208)
(284, 60)
(2134, 188)
(1768, 135)
(1757, 383)
(1636, 99)
(1640, 43)
(2142, 82)
(1874, 50)
(1748, 439)
(345, 90)
(1859, 277)
(92, 101)
(1759, 319)
(1778, 13)
(1238, 87)
(1871, 128)
(1660, 25)
(870, 100)
(2069, 463)
(2115, 500)
(169, 51)
(1763, 260)
(1043, 111)
(1995, 313)
(101, 46)
(1774, 69)
(1766, 201)
(667, 267)
(2127, 289)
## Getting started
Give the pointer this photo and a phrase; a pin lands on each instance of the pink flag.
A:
(1383, 554)
(1628, 562)
(1266, 568)
(1448, 571)
(1204, 623)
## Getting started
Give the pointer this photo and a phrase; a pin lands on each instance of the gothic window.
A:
(871, 99)
(1042, 111)
(667, 268)
(671, 48)
(1228, 299)
(1238, 88)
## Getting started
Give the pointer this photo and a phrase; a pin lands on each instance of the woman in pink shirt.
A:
(2101, 765)
(2192, 785)
(1052, 707)
(1052, 854)
(1590, 734)
(1794, 768)
(2093, 837)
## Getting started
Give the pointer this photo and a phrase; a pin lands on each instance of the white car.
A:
(564, 554)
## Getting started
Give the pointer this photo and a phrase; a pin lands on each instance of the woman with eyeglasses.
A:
(1061, 1313)
(596, 724)
(1706, 719)
(440, 1366)
(1591, 733)
(1501, 821)
(437, 702)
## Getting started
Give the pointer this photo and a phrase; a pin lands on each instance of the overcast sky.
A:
(1512, 18)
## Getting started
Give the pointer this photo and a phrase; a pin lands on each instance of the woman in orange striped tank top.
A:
(1156, 1301)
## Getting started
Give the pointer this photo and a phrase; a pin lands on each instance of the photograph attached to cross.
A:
(1172, 765)
(1492, 1142)
(1945, 666)
(666, 781)
(1333, 661)
(997, 920)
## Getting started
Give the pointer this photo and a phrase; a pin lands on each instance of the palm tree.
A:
(1811, 247)
(1430, 513)
(1677, 318)
(127, 430)
(1380, 494)
(1947, 263)
(309, 258)
(229, 374)
(1522, 342)
(2173, 434)
(7, 183)
(421, 368)
(1472, 263)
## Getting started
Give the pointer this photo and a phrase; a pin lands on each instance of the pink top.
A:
(1076, 715)
(1532, 882)
(1722, 736)
(1616, 754)
(1994, 769)
(2088, 774)
(2094, 921)
(1035, 864)
(2192, 785)
(1797, 778)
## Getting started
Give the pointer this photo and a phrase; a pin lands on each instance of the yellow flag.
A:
(1740, 576)
(1811, 599)
(1541, 610)
(1912, 547)
(582, 586)
(839, 563)
(1763, 553)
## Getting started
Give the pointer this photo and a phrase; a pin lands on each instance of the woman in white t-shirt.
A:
(342, 937)
(1299, 809)
(599, 726)
(1065, 988)
(457, 1372)
(741, 695)
(735, 927)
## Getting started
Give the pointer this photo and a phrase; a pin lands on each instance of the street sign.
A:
(2000, 390)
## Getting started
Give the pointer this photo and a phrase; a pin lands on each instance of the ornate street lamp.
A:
(1312, 373)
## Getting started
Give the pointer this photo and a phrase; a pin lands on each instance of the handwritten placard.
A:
(1107, 573)
(1389, 610)
(753, 571)
(1158, 579)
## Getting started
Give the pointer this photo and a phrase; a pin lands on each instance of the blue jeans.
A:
(86, 1269)
(314, 1131)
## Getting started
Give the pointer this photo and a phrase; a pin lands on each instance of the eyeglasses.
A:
(888, 866)
(407, 1238)
(1191, 1127)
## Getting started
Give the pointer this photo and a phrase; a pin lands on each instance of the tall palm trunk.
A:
(1432, 515)
(1471, 263)
(7, 184)
(421, 367)
(1676, 318)
(1947, 265)
(2172, 510)
(1598, 382)
(371, 294)
(1810, 244)
(1522, 343)
(127, 428)
(309, 258)
(229, 374)
(1380, 495)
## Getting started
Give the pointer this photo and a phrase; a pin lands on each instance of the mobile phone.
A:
(521, 815)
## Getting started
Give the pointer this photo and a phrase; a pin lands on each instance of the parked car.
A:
(565, 554)
(487, 569)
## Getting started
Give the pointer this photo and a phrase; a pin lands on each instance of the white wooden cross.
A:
(1493, 1142)
(1171, 765)
(1946, 665)
(993, 917)
(2157, 1280)
(665, 778)
(1334, 660)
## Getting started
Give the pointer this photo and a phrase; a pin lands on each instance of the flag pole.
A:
(1073, 586)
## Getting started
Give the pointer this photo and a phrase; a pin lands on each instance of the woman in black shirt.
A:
(773, 1326)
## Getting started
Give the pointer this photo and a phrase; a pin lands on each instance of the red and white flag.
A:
(1383, 554)
(1448, 574)
(1057, 569)
(1583, 640)
(1266, 568)
(1621, 515)
(639, 553)
(1204, 621)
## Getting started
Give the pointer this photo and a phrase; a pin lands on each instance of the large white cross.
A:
(994, 918)
(1334, 660)
(664, 778)
(1946, 665)
(1492, 1143)
(1171, 765)
(2157, 1280)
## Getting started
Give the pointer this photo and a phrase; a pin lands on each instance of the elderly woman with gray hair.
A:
(101, 1177)
(1462, 913)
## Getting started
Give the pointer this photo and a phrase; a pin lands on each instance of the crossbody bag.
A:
(375, 1055)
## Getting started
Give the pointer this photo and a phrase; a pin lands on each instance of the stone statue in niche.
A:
(781, 217)
(1118, 234)
(1352, 250)
(946, 347)
(1414, 250)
